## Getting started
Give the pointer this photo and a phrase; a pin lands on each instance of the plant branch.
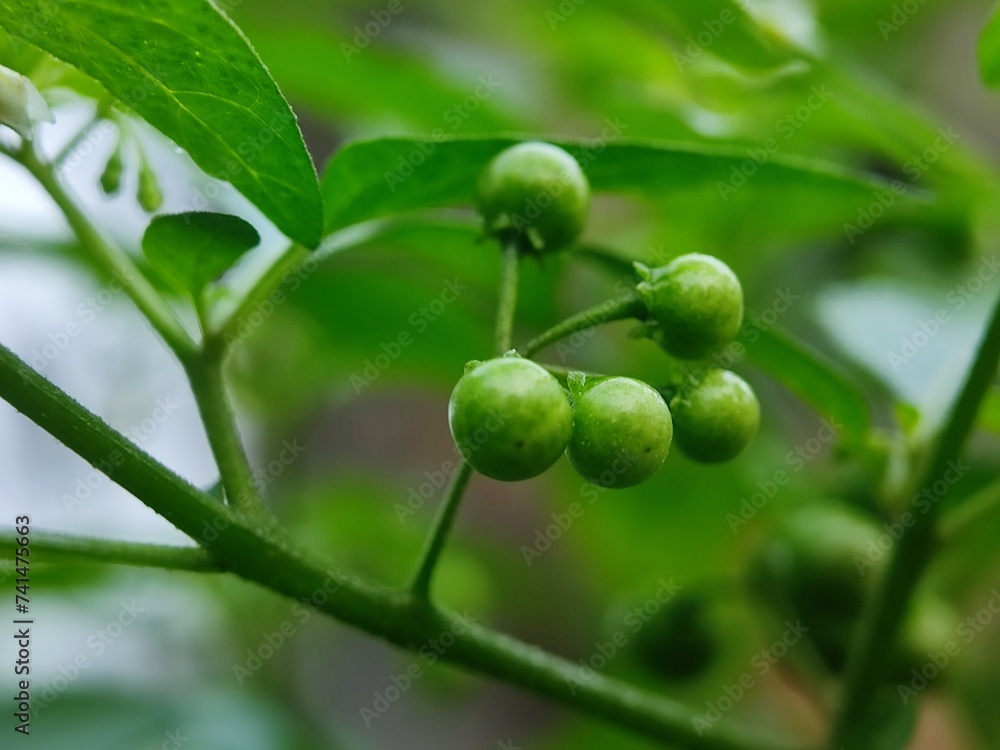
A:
(609, 311)
(52, 545)
(272, 278)
(115, 261)
(885, 613)
(507, 300)
(442, 526)
(267, 556)
(207, 383)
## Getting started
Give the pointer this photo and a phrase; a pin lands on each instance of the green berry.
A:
(510, 418)
(817, 567)
(696, 302)
(621, 432)
(535, 190)
(715, 416)
(680, 641)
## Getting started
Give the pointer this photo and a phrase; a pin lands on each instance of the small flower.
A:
(21, 106)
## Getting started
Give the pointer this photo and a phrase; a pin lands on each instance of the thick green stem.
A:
(507, 301)
(208, 386)
(882, 619)
(606, 312)
(439, 534)
(115, 261)
(50, 546)
(265, 555)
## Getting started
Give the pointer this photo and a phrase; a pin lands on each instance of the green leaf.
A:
(989, 412)
(721, 27)
(989, 50)
(184, 67)
(814, 378)
(372, 178)
(191, 250)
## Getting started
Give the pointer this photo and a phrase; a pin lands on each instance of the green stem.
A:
(208, 386)
(51, 545)
(267, 556)
(609, 311)
(884, 615)
(507, 302)
(115, 261)
(439, 534)
(76, 140)
(228, 329)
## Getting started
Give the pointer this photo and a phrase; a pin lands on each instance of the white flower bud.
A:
(21, 106)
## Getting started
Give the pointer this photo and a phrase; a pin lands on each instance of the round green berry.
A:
(679, 641)
(696, 302)
(535, 190)
(510, 418)
(621, 432)
(715, 416)
(817, 566)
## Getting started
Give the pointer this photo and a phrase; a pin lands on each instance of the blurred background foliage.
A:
(871, 86)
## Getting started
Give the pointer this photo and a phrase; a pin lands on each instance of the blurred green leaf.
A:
(989, 412)
(989, 50)
(723, 27)
(372, 178)
(190, 72)
(191, 250)
(813, 377)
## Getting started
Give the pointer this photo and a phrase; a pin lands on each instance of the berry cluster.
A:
(616, 431)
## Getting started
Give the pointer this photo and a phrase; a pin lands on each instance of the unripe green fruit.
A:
(679, 642)
(538, 191)
(621, 432)
(715, 416)
(810, 566)
(510, 418)
(696, 302)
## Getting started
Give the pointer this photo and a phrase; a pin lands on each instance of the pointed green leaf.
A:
(191, 250)
(372, 178)
(814, 378)
(184, 67)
